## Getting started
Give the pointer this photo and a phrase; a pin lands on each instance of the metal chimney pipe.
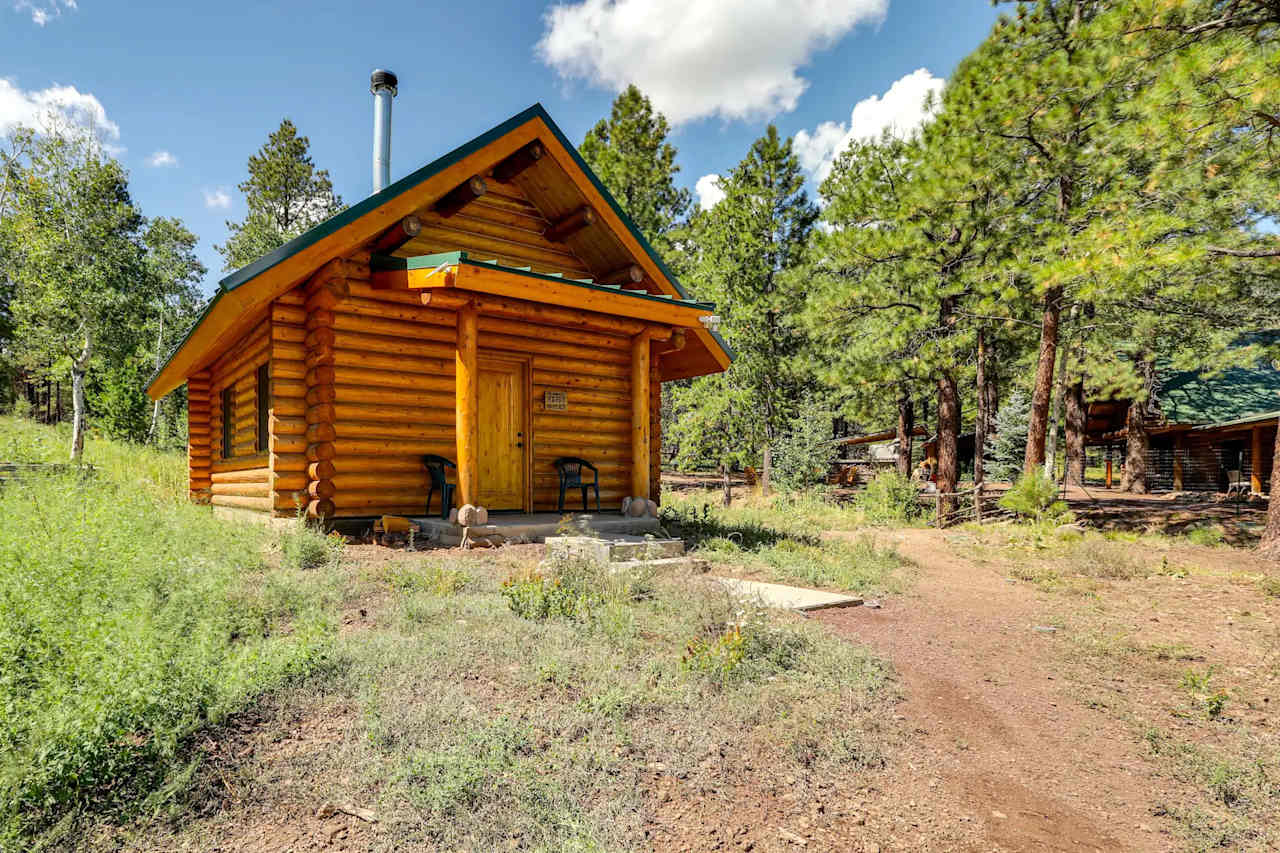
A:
(383, 86)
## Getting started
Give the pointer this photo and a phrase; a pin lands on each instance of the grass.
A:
(154, 663)
(782, 539)
(130, 620)
(1068, 559)
(476, 727)
(1238, 796)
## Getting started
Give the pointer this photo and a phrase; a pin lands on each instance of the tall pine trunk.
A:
(1270, 544)
(766, 469)
(1038, 420)
(1135, 454)
(948, 473)
(728, 485)
(79, 368)
(993, 393)
(983, 415)
(948, 433)
(906, 427)
(1059, 391)
(1076, 417)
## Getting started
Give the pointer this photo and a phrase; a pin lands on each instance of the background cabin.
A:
(1207, 433)
(496, 308)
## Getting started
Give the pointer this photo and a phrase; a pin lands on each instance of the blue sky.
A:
(186, 94)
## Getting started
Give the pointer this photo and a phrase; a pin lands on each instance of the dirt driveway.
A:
(1012, 751)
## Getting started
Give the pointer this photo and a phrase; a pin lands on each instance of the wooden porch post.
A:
(640, 415)
(467, 393)
(1108, 466)
(1255, 461)
(1177, 462)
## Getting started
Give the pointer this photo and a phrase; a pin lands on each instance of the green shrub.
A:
(717, 655)
(130, 620)
(533, 595)
(1205, 534)
(859, 565)
(434, 578)
(803, 453)
(890, 499)
(305, 546)
(741, 641)
(699, 522)
(575, 587)
(1035, 496)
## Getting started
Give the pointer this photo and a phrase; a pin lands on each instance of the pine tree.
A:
(714, 421)
(285, 194)
(1009, 447)
(900, 277)
(748, 246)
(1038, 105)
(631, 154)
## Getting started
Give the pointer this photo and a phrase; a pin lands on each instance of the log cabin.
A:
(1205, 432)
(496, 307)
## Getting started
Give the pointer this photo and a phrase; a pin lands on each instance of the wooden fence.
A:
(17, 471)
(973, 504)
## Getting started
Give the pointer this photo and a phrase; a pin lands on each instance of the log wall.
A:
(378, 388)
(240, 475)
(287, 423)
(502, 224)
(199, 437)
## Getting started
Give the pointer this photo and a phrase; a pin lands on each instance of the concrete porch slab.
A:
(534, 527)
(785, 597)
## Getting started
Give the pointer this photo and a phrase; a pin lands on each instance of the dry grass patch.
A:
(475, 727)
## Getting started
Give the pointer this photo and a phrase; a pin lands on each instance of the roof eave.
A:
(335, 224)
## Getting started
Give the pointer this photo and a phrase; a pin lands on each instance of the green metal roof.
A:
(407, 183)
(1237, 394)
(421, 262)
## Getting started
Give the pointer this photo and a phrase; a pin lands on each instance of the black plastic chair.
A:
(570, 470)
(435, 466)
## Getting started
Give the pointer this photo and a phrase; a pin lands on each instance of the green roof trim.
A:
(339, 220)
(1258, 417)
(440, 259)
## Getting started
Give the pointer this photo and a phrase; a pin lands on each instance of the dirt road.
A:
(1004, 756)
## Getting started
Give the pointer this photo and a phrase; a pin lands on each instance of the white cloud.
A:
(55, 107)
(709, 192)
(217, 199)
(43, 12)
(737, 59)
(162, 158)
(900, 111)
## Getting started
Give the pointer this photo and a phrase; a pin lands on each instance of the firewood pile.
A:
(392, 531)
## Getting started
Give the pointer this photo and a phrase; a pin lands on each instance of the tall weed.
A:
(890, 499)
(129, 620)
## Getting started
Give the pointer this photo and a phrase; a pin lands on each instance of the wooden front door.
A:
(501, 454)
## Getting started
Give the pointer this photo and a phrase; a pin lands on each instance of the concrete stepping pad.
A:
(785, 597)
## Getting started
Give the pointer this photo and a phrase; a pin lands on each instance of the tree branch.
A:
(1245, 253)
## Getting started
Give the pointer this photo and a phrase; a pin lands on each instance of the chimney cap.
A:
(381, 79)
